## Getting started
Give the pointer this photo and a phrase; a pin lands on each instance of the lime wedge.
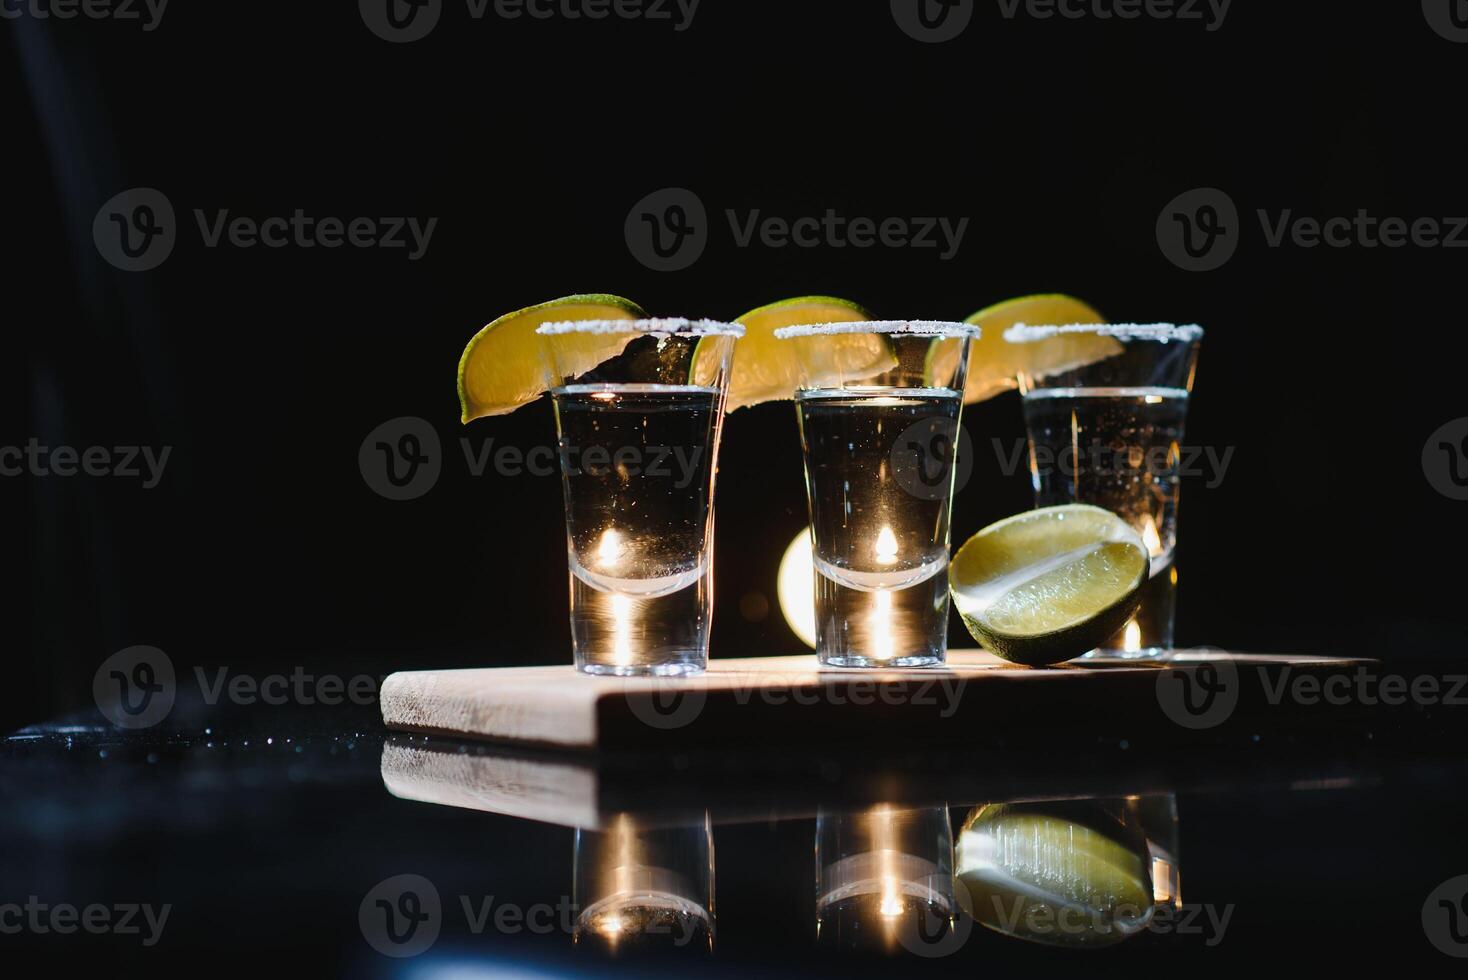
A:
(502, 367)
(994, 363)
(767, 369)
(1049, 585)
(1064, 874)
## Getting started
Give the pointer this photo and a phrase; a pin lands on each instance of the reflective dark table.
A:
(311, 839)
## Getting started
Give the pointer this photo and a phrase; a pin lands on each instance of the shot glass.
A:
(1109, 434)
(878, 407)
(640, 888)
(638, 439)
(884, 877)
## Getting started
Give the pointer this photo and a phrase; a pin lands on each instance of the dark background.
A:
(264, 369)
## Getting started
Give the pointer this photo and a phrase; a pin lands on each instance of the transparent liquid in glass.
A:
(1117, 448)
(638, 481)
(880, 550)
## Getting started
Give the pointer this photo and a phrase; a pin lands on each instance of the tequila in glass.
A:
(879, 428)
(638, 439)
(1110, 434)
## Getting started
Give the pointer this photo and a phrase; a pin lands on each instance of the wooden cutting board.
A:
(791, 701)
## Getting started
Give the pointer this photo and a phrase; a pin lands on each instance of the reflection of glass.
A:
(881, 874)
(645, 888)
(1077, 873)
(1109, 434)
(1159, 823)
(639, 440)
(879, 406)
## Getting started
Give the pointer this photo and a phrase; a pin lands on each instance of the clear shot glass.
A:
(638, 439)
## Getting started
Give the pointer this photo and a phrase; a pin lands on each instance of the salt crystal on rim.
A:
(1023, 333)
(917, 328)
(671, 326)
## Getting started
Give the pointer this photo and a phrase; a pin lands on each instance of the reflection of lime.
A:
(994, 364)
(1063, 874)
(502, 366)
(1049, 585)
(767, 369)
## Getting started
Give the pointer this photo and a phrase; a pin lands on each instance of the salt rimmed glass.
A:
(1110, 434)
(638, 439)
(879, 405)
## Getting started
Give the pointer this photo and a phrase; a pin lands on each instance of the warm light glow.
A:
(612, 925)
(891, 906)
(1131, 640)
(1150, 537)
(611, 548)
(881, 624)
(796, 588)
(621, 629)
(886, 548)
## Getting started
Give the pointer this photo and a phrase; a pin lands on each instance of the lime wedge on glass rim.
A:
(1049, 585)
(994, 364)
(502, 367)
(767, 369)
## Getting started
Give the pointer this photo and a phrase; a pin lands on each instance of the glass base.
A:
(854, 660)
(1103, 655)
(677, 669)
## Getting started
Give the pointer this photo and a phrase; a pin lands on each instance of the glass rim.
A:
(652, 326)
(1023, 333)
(914, 328)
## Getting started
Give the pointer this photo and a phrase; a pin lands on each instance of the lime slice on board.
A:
(1062, 874)
(767, 369)
(994, 364)
(1049, 585)
(503, 368)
